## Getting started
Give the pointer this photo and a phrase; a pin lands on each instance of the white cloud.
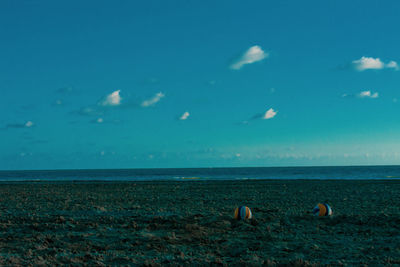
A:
(368, 94)
(392, 65)
(253, 54)
(153, 100)
(29, 124)
(184, 116)
(366, 63)
(113, 99)
(269, 114)
(100, 120)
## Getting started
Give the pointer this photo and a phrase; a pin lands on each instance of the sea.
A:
(201, 174)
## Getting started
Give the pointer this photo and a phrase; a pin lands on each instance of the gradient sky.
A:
(147, 84)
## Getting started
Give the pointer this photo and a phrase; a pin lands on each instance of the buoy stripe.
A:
(327, 209)
(316, 210)
(236, 213)
(242, 212)
(322, 209)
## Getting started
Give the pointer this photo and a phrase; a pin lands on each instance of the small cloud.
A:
(101, 120)
(370, 63)
(269, 114)
(392, 65)
(395, 100)
(365, 63)
(152, 101)
(363, 94)
(368, 94)
(272, 90)
(184, 116)
(238, 155)
(113, 99)
(90, 111)
(253, 54)
(58, 103)
(98, 120)
(29, 124)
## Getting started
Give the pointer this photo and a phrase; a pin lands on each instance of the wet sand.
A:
(191, 223)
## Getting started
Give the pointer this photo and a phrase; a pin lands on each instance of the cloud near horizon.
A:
(98, 120)
(152, 101)
(368, 94)
(362, 94)
(366, 63)
(253, 54)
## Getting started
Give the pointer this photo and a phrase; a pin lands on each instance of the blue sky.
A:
(124, 84)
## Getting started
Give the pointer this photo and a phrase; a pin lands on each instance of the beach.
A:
(186, 223)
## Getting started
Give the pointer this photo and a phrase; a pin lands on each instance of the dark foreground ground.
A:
(190, 223)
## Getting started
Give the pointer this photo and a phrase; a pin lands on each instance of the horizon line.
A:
(170, 168)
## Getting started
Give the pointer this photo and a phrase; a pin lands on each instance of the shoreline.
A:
(189, 180)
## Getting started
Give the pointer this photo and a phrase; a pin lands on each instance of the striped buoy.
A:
(242, 213)
(322, 209)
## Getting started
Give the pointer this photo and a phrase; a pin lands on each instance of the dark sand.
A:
(190, 223)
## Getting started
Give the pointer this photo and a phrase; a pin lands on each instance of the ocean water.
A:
(186, 174)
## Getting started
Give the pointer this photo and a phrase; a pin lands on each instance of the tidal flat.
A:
(190, 223)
